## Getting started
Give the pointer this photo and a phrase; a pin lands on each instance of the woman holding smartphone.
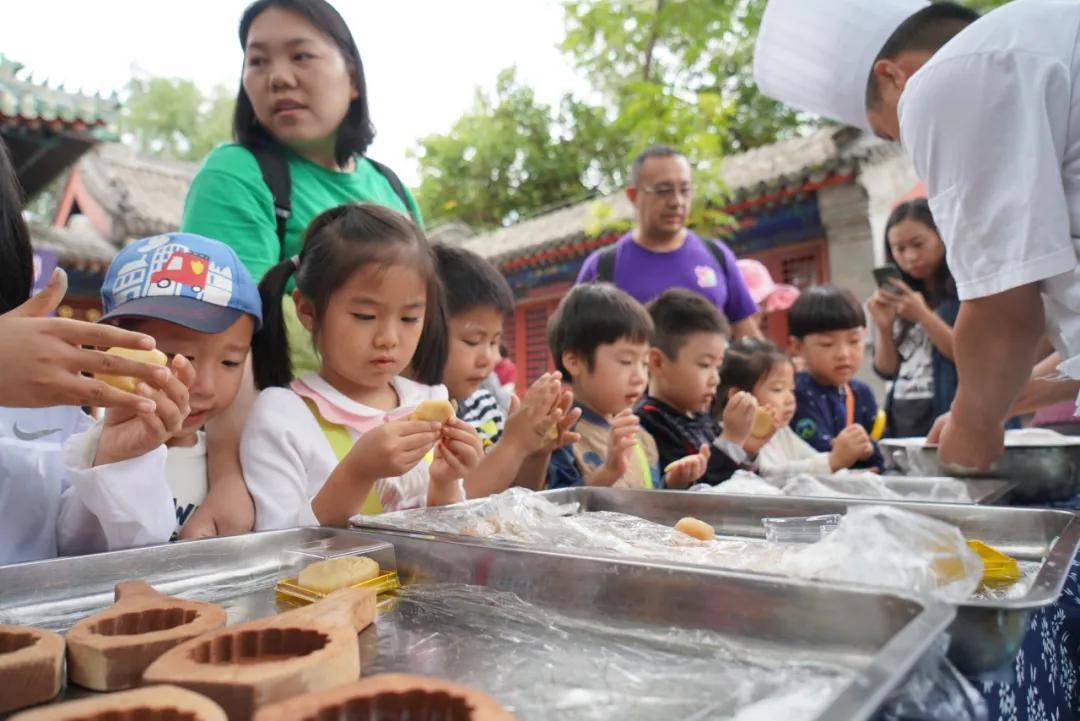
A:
(913, 313)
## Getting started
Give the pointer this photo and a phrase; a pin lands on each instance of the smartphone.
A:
(886, 275)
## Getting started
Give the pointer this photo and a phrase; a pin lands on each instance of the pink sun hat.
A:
(767, 293)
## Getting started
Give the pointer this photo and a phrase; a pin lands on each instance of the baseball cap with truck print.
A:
(181, 278)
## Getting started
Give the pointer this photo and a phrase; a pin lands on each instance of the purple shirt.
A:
(645, 274)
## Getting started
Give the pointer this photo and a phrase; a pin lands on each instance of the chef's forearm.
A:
(995, 341)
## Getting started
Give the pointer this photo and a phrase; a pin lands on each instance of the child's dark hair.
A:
(16, 257)
(471, 282)
(679, 313)
(337, 243)
(592, 315)
(746, 362)
(822, 309)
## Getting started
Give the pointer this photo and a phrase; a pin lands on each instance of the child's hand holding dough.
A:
(684, 472)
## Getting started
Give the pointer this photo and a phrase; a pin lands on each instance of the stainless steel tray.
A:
(1041, 473)
(873, 637)
(986, 633)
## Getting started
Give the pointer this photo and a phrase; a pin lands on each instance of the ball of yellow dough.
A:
(764, 424)
(128, 383)
(696, 528)
(334, 573)
(438, 411)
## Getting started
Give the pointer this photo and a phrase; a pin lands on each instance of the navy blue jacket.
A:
(821, 413)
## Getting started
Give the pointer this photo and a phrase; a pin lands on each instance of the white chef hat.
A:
(816, 55)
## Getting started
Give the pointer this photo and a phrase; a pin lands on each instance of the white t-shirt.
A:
(287, 458)
(992, 124)
(185, 470)
(53, 503)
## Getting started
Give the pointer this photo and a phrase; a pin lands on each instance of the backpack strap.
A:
(341, 443)
(717, 253)
(275, 173)
(605, 265)
(395, 184)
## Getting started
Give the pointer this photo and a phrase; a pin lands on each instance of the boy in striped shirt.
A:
(516, 434)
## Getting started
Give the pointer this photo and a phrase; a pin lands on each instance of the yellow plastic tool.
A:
(999, 569)
(878, 429)
(290, 592)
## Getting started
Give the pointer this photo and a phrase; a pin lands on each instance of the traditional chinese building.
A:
(112, 196)
(812, 209)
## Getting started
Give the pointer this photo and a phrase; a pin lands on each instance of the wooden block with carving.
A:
(334, 573)
(157, 703)
(696, 528)
(391, 697)
(438, 411)
(260, 662)
(109, 650)
(127, 383)
(31, 666)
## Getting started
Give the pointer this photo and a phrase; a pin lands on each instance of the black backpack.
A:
(275, 173)
(605, 263)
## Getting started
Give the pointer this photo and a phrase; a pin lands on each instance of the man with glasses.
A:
(659, 252)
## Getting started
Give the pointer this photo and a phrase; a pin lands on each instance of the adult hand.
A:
(966, 443)
(44, 362)
(882, 309)
(910, 304)
(129, 434)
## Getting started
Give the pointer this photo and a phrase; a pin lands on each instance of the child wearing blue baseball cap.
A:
(195, 298)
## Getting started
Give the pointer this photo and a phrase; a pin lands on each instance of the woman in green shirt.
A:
(302, 100)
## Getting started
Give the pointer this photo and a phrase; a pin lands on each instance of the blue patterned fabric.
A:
(1047, 683)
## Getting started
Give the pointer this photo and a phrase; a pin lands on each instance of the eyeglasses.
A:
(669, 191)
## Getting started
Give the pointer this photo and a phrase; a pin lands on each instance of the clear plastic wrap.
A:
(935, 689)
(543, 664)
(876, 545)
(844, 484)
(885, 545)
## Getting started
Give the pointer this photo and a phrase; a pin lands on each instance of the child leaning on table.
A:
(69, 485)
(516, 439)
(757, 366)
(599, 337)
(199, 303)
(828, 330)
(328, 445)
(690, 337)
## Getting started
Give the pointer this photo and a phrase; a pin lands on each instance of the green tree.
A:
(173, 118)
(666, 71)
(498, 160)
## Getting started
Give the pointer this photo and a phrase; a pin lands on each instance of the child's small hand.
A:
(850, 446)
(128, 434)
(393, 448)
(621, 440)
(568, 418)
(739, 417)
(684, 472)
(532, 417)
(755, 443)
(459, 452)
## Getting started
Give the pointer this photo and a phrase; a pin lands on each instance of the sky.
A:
(423, 58)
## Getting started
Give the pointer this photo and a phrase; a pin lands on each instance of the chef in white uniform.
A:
(988, 109)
